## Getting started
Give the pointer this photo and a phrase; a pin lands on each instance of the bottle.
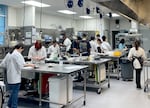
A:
(60, 61)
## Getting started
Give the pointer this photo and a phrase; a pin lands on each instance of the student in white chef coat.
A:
(37, 53)
(67, 42)
(134, 54)
(93, 45)
(105, 45)
(54, 50)
(99, 47)
(14, 62)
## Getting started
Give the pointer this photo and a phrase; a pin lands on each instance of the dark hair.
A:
(104, 38)
(79, 38)
(11, 50)
(84, 35)
(92, 37)
(98, 35)
(19, 45)
(99, 40)
(54, 41)
(122, 41)
(137, 44)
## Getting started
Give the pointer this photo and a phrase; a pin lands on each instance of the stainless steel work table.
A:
(88, 62)
(65, 69)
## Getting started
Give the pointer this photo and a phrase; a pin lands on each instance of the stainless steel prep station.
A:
(98, 83)
(66, 70)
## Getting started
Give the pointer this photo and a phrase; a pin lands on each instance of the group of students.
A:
(14, 61)
(86, 47)
(99, 44)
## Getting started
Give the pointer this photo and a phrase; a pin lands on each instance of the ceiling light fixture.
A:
(66, 12)
(35, 3)
(113, 15)
(86, 17)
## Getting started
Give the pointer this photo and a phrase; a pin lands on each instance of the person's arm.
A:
(30, 53)
(130, 54)
(21, 62)
(4, 61)
(29, 65)
(143, 55)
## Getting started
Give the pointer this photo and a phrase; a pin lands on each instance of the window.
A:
(3, 16)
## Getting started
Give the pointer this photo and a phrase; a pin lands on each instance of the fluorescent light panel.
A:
(66, 12)
(86, 17)
(35, 3)
(114, 15)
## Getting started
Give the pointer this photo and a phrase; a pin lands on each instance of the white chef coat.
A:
(106, 46)
(137, 53)
(93, 46)
(37, 53)
(15, 63)
(54, 51)
(4, 62)
(99, 45)
(67, 43)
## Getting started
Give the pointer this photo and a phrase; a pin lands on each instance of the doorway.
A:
(113, 38)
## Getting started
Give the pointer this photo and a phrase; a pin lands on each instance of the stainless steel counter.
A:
(56, 68)
(64, 69)
(83, 61)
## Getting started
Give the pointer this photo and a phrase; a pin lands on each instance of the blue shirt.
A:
(121, 46)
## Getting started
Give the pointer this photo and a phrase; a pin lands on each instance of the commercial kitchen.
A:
(74, 53)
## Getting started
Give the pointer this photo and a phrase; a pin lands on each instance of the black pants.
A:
(138, 78)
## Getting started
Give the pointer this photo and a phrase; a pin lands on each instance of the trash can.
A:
(126, 69)
(57, 91)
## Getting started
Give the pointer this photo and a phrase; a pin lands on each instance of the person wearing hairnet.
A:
(37, 53)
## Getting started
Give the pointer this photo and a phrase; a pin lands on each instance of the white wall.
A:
(52, 22)
(29, 17)
(12, 19)
(91, 25)
(123, 23)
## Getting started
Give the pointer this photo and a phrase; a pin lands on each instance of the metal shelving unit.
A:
(129, 39)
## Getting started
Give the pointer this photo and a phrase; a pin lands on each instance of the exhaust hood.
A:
(141, 8)
(132, 9)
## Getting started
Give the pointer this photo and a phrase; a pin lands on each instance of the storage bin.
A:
(58, 90)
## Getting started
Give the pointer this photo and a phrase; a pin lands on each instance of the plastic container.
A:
(58, 90)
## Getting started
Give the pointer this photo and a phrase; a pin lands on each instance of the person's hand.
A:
(60, 44)
(35, 58)
(39, 58)
(32, 65)
(29, 65)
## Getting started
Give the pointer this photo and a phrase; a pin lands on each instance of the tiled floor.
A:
(121, 94)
